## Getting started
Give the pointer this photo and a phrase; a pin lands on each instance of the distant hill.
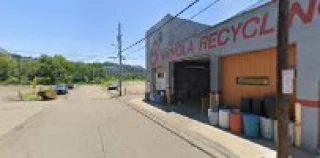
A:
(113, 69)
(3, 51)
(15, 56)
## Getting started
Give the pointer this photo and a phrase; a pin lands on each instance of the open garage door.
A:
(191, 80)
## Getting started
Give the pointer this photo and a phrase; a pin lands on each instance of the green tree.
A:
(53, 69)
(8, 67)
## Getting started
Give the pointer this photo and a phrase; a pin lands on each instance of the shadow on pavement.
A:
(193, 111)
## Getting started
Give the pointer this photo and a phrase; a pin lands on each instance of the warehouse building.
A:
(237, 58)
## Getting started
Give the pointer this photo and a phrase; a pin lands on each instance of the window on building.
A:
(160, 75)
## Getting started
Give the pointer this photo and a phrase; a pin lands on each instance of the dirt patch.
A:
(134, 87)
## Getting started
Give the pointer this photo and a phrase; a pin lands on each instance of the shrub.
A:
(12, 80)
(48, 94)
(44, 80)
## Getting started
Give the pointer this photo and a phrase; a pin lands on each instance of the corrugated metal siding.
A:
(257, 63)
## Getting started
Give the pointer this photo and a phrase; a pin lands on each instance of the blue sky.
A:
(80, 29)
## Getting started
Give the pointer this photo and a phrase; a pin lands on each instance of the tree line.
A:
(50, 70)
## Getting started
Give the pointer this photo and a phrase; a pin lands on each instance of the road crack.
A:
(101, 142)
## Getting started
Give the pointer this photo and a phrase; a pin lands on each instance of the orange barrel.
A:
(236, 123)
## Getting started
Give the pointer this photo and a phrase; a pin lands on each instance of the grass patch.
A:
(31, 97)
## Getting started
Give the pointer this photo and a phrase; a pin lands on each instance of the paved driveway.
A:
(87, 124)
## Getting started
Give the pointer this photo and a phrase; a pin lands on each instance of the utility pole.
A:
(55, 73)
(119, 38)
(92, 74)
(282, 64)
(20, 80)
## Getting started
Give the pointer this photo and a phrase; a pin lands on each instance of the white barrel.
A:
(224, 118)
(266, 128)
(291, 132)
(152, 97)
(213, 117)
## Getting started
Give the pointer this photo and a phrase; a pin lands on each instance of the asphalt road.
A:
(88, 124)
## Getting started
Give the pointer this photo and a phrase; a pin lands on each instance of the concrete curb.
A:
(209, 147)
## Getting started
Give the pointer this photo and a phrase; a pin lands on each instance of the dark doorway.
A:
(191, 81)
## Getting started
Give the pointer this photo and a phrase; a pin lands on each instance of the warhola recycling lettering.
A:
(251, 28)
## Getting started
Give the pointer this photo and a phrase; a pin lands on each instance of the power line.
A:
(176, 16)
(154, 31)
(205, 9)
(104, 54)
(210, 27)
(168, 21)
(100, 56)
(139, 49)
(184, 22)
(253, 6)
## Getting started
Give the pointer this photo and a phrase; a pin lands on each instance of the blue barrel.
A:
(147, 96)
(251, 125)
(157, 99)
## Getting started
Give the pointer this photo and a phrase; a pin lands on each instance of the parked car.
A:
(61, 89)
(70, 86)
(113, 87)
